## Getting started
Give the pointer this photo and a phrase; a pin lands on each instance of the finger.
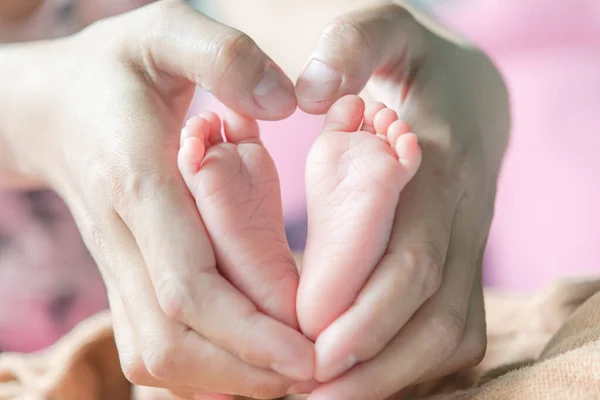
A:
(409, 272)
(178, 253)
(351, 49)
(172, 353)
(173, 38)
(432, 335)
(472, 347)
(132, 364)
(130, 358)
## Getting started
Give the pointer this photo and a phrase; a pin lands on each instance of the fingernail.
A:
(303, 388)
(273, 94)
(318, 82)
(331, 369)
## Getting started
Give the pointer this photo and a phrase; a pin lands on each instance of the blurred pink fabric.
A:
(547, 222)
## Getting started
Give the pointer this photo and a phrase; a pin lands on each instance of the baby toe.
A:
(395, 130)
(383, 120)
(409, 152)
(369, 117)
(214, 122)
(190, 156)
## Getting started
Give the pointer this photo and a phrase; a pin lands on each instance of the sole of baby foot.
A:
(355, 173)
(236, 188)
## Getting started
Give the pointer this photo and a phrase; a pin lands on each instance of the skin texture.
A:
(427, 285)
(362, 159)
(144, 85)
(142, 227)
(355, 172)
(236, 188)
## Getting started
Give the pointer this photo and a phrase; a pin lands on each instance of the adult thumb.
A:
(172, 39)
(380, 40)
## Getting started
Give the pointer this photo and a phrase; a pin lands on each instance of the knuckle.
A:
(172, 299)
(448, 328)
(160, 357)
(134, 369)
(475, 348)
(433, 269)
(136, 184)
(425, 264)
(126, 188)
(348, 33)
(249, 355)
(447, 181)
(232, 48)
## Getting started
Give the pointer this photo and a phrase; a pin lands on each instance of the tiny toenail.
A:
(271, 93)
(318, 82)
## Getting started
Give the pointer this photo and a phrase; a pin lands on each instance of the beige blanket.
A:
(542, 346)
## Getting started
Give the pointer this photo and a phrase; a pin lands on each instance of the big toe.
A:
(345, 115)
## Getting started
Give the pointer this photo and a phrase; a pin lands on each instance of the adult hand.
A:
(99, 121)
(420, 315)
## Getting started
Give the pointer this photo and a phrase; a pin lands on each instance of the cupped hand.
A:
(103, 131)
(420, 314)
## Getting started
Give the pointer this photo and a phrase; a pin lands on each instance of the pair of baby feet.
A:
(355, 172)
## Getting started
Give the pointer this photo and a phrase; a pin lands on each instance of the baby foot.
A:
(236, 188)
(354, 177)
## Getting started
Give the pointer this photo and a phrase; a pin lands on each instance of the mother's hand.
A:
(99, 121)
(420, 315)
